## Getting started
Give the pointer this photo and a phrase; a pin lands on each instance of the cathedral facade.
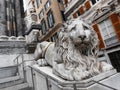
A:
(11, 18)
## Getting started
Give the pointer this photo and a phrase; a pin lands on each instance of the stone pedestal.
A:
(44, 79)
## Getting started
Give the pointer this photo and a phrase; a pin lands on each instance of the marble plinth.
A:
(44, 79)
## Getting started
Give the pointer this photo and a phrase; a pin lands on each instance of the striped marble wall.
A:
(10, 18)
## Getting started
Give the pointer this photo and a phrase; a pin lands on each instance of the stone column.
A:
(13, 21)
(9, 17)
(2, 18)
(18, 18)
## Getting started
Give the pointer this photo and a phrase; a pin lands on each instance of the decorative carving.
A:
(12, 38)
(4, 38)
(32, 37)
(73, 56)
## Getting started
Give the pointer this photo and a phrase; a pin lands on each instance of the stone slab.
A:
(12, 47)
(8, 71)
(46, 80)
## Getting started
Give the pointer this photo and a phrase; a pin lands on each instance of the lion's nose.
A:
(82, 37)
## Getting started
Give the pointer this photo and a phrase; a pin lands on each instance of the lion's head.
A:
(81, 35)
(73, 56)
(77, 47)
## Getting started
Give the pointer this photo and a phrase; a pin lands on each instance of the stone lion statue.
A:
(73, 56)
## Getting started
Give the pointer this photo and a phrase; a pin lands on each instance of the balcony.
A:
(73, 4)
(90, 14)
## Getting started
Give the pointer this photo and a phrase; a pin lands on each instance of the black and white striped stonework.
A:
(11, 23)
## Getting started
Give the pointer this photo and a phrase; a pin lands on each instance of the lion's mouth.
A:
(81, 44)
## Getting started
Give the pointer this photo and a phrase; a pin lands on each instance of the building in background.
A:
(30, 13)
(50, 14)
(11, 13)
(105, 18)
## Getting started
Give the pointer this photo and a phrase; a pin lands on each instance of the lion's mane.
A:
(83, 58)
(74, 55)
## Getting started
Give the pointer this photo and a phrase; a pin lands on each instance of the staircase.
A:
(12, 78)
(12, 73)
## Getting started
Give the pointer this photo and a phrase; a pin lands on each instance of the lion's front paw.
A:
(42, 62)
(106, 67)
(79, 75)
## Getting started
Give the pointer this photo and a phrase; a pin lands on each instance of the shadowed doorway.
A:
(115, 59)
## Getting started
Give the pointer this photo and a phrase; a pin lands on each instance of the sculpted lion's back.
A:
(73, 56)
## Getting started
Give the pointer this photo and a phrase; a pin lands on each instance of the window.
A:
(38, 2)
(63, 16)
(54, 38)
(47, 5)
(50, 19)
(107, 32)
(44, 28)
(41, 14)
(60, 1)
(75, 15)
(94, 1)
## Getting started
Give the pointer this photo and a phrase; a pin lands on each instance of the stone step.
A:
(16, 87)
(8, 71)
(11, 81)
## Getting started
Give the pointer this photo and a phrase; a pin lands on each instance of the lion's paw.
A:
(42, 62)
(106, 67)
(79, 75)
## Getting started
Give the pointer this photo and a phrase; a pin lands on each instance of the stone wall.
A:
(2, 18)
(12, 47)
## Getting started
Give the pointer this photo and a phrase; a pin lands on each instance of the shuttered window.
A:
(108, 32)
(66, 2)
(87, 5)
(81, 10)
(115, 19)
(96, 28)
(74, 15)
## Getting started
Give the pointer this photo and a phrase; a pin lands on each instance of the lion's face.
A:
(80, 33)
(77, 47)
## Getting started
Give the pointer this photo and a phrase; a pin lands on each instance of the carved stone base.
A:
(46, 80)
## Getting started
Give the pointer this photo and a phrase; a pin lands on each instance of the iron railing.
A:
(20, 64)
